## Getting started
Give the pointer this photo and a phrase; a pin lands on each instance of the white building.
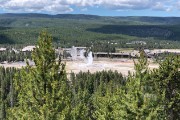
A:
(28, 48)
(2, 49)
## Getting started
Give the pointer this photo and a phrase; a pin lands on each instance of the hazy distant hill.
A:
(82, 29)
(62, 16)
(129, 20)
(155, 20)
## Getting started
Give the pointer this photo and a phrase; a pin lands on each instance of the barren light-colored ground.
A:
(121, 65)
(15, 64)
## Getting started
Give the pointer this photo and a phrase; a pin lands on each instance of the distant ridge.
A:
(62, 16)
(73, 29)
(146, 19)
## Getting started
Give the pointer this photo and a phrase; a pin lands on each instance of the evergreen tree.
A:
(137, 98)
(43, 89)
(6, 90)
(2, 94)
(166, 82)
(105, 103)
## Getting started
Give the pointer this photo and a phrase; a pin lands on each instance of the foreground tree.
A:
(6, 90)
(43, 90)
(167, 83)
(138, 98)
(2, 94)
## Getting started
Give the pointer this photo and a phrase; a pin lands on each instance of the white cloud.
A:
(84, 9)
(53, 6)
(178, 5)
(161, 7)
(137, 4)
(64, 6)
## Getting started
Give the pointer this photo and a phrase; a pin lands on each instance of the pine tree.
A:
(105, 104)
(43, 89)
(166, 81)
(2, 94)
(82, 93)
(6, 90)
(137, 98)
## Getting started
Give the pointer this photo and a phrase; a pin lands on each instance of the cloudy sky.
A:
(96, 7)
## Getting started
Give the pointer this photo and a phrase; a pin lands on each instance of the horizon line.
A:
(90, 15)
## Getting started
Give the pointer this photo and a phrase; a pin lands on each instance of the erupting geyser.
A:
(82, 57)
(74, 53)
(90, 58)
(78, 55)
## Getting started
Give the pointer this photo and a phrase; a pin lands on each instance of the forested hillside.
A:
(85, 30)
(45, 93)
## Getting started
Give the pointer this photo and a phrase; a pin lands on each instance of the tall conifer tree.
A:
(43, 89)
(2, 94)
(137, 98)
(167, 82)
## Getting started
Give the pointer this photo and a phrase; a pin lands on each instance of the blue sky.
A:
(96, 7)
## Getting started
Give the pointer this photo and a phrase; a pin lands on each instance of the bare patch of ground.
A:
(121, 65)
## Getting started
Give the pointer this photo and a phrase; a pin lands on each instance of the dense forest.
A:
(12, 56)
(45, 93)
(87, 30)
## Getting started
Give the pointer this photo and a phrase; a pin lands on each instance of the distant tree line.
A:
(12, 56)
(73, 32)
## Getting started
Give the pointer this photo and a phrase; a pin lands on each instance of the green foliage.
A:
(107, 105)
(167, 80)
(11, 56)
(43, 90)
(89, 92)
(7, 95)
(85, 30)
(146, 94)
(138, 97)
